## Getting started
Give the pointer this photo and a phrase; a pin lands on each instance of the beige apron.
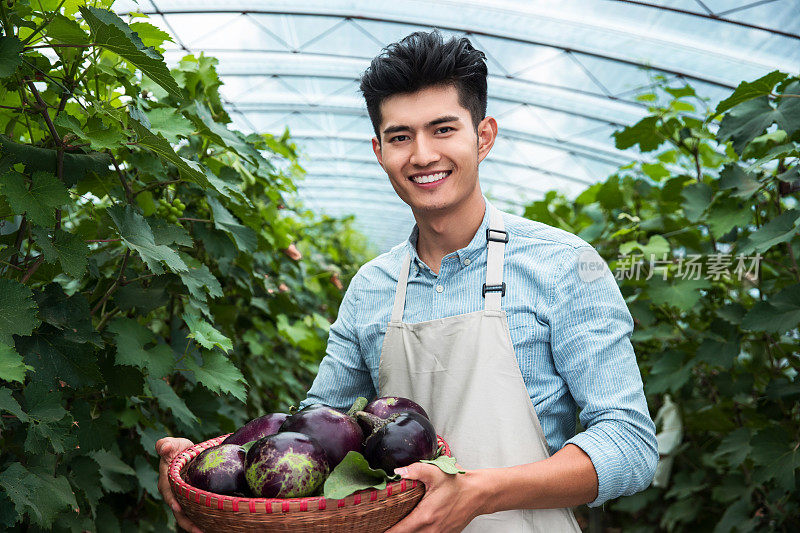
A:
(462, 370)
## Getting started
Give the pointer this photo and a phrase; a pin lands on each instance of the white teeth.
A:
(430, 178)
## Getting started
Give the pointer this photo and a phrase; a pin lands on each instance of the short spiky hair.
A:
(422, 60)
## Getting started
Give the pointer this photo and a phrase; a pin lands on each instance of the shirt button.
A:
(439, 288)
(467, 261)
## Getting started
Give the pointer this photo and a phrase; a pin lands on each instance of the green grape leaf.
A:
(94, 432)
(777, 456)
(199, 279)
(727, 213)
(749, 119)
(683, 294)
(167, 399)
(12, 368)
(111, 32)
(221, 135)
(9, 404)
(137, 235)
(48, 437)
(54, 357)
(113, 471)
(17, 310)
(67, 248)
(85, 475)
(166, 233)
(218, 374)
(40, 495)
(446, 464)
(10, 55)
(781, 313)
(42, 404)
(644, 133)
(778, 230)
(76, 166)
(39, 202)
(150, 35)
(102, 136)
(244, 237)
(70, 314)
(147, 475)
(747, 90)
(131, 338)
(170, 124)
(64, 30)
(697, 198)
(205, 334)
(735, 177)
(144, 299)
(189, 170)
(352, 474)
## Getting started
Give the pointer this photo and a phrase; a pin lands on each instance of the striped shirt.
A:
(571, 338)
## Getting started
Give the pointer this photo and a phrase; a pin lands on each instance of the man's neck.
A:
(446, 232)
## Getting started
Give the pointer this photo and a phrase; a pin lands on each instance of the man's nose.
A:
(423, 153)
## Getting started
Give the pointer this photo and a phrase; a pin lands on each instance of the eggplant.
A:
(219, 469)
(257, 428)
(334, 430)
(286, 465)
(399, 440)
(386, 406)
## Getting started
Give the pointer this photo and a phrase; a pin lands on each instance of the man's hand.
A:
(167, 448)
(451, 501)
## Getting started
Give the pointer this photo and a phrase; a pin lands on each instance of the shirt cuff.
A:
(606, 465)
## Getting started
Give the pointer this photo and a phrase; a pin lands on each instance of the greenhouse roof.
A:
(563, 76)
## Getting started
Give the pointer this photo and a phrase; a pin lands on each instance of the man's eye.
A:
(445, 128)
(396, 138)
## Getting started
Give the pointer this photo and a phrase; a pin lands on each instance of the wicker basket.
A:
(367, 511)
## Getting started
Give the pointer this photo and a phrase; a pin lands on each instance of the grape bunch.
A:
(171, 211)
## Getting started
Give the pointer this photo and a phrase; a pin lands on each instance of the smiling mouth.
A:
(430, 178)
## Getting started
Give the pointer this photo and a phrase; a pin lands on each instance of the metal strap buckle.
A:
(490, 238)
(495, 288)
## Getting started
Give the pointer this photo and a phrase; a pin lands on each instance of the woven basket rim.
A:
(205, 498)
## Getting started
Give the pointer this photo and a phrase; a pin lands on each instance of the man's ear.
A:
(376, 147)
(487, 133)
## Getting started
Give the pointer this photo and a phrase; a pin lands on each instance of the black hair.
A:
(421, 60)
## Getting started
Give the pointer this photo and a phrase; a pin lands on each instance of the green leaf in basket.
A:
(446, 464)
(354, 474)
(247, 445)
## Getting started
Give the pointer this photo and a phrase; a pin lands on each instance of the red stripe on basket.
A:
(388, 490)
(220, 504)
(197, 497)
(340, 503)
(414, 483)
(235, 504)
(208, 500)
(252, 506)
(357, 498)
(285, 507)
(373, 495)
(322, 504)
(402, 485)
(304, 505)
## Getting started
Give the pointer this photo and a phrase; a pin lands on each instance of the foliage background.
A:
(135, 226)
(159, 275)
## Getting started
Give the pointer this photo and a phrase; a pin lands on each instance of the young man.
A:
(484, 318)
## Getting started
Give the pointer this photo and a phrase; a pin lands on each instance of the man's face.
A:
(429, 148)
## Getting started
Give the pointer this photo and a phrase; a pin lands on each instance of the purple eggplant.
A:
(219, 469)
(257, 428)
(286, 465)
(334, 430)
(388, 405)
(400, 440)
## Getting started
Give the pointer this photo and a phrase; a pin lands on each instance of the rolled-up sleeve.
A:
(590, 340)
(342, 376)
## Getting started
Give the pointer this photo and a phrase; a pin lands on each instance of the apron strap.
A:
(400, 293)
(496, 238)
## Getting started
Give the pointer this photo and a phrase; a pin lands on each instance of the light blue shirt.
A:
(571, 338)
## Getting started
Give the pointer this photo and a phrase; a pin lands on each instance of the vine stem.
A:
(116, 283)
(33, 268)
(128, 192)
(157, 184)
(59, 46)
(44, 112)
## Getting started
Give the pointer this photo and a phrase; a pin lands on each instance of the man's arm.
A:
(343, 376)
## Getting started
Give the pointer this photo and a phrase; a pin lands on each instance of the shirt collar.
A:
(470, 251)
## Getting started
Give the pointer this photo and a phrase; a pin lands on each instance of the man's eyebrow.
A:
(434, 122)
